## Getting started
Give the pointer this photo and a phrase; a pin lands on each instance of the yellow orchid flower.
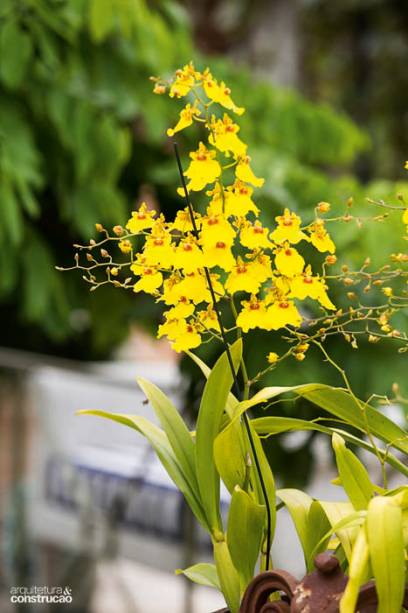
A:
(203, 169)
(253, 314)
(186, 338)
(224, 136)
(219, 93)
(255, 236)
(184, 81)
(320, 238)
(214, 229)
(308, 286)
(244, 172)
(142, 219)
(219, 255)
(186, 119)
(182, 222)
(288, 261)
(288, 229)
(208, 318)
(149, 282)
(281, 314)
(238, 200)
(242, 278)
(188, 255)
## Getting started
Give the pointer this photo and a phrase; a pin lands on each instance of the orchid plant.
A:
(216, 261)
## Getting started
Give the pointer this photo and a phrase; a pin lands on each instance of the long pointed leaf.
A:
(159, 441)
(245, 525)
(385, 540)
(272, 425)
(175, 428)
(212, 407)
(353, 475)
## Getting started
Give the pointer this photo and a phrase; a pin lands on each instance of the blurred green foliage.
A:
(82, 139)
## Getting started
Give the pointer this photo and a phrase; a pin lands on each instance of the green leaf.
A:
(229, 456)
(317, 537)
(338, 512)
(160, 442)
(15, 53)
(228, 576)
(298, 504)
(267, 475)
(176, 430)
(353, 475)
(203, 574)
(276, 425)
(212, 406)
(10, 211)
(357, 572)
(244, 534)
(385, 540)
(206, 370)
(342, 404)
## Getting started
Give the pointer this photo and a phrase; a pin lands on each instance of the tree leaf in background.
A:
(101, 17)
(15, 53)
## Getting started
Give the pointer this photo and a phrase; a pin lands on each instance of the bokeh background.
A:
(83, 140)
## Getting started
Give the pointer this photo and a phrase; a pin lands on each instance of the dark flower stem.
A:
(231, 364)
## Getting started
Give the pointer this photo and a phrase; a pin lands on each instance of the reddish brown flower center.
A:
(158, 242)
(258, 230)
(230, 128)
(288, 251)
(201, 157)
(307, 280)
(287, 222)
(220, 245)
(213, 221)
(241, 270)
(187, 247)
(284, 305)
(254, 306)
(147, 271)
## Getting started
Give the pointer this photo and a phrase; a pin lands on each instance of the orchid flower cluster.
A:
(261, 273)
